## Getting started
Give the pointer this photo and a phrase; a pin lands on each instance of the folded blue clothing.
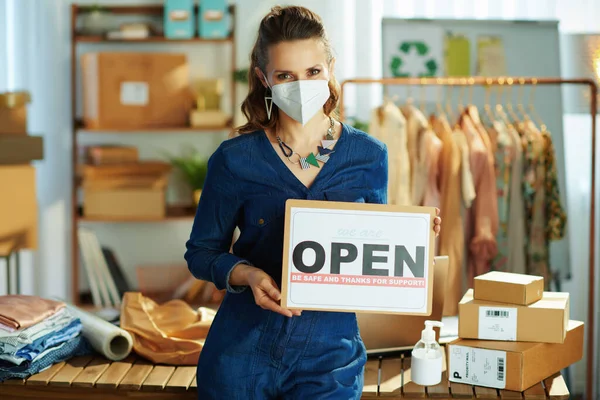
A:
(78, 346)
(34, 349)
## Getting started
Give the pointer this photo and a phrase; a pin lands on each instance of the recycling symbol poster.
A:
(412, 50)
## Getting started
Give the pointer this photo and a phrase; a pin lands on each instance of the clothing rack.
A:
(518, 81)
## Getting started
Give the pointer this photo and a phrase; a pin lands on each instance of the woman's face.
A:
(297, 60)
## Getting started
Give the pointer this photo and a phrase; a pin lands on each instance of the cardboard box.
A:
(126, 203)
(18, 206)
(544, 321)
(512, 366)
(110, 155)
(20, 149)
(136, 90)
(504, 287)
(153, 169)
(13, 112)
(380, 332)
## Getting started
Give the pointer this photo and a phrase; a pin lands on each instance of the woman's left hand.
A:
(437, 222)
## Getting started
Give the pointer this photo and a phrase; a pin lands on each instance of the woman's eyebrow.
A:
(315, 66)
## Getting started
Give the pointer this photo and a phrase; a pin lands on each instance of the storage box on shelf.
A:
(13, 112)
(135, 90)
(104, 111)
(131, 191)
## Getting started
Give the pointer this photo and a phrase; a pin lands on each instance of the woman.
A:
(291, 147)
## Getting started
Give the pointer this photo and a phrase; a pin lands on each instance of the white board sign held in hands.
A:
(358, 257)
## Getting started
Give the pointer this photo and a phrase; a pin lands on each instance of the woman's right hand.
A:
(266, 294)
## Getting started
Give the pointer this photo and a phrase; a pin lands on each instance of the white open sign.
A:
(358, 257)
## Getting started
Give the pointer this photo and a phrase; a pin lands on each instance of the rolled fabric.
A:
(111, 341)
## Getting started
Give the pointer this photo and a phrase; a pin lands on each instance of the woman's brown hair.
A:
(280, 25)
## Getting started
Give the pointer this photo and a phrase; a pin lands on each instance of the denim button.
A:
(261, 221)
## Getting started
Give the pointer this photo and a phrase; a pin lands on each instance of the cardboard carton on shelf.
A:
(512, 365)
(18, 206)
(20, 149)
(13, 112)
(111, 154)
(131, 192)
(136, 90)
(543, 321)
(505, 287)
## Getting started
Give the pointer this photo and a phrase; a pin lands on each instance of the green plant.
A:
(193, 168)
(241, 75)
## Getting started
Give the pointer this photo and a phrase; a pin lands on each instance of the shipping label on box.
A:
(504, 287)
(354, 257)
(544, 321)
(478, 367)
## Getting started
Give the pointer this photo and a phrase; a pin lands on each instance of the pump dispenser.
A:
(427, 356)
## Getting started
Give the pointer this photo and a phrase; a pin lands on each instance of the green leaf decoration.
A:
(405, 47)
(311, 159)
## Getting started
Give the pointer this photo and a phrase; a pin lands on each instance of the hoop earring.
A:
(269, 105)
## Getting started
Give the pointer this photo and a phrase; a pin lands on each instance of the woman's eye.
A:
(314, 72)
(284, 76)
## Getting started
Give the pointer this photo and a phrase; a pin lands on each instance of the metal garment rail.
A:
(517, 81)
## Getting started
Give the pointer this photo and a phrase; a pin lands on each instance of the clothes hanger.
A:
(531, 107)
(487, 104)
(422, 103)
(520, 96)
(509, 106)
(438, 104)
(499, 109)
(448, 100)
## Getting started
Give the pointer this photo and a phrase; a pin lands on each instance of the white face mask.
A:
(302, 99)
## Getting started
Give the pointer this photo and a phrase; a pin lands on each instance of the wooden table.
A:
(94, 378)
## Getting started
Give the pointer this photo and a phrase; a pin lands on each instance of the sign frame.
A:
(348, 206)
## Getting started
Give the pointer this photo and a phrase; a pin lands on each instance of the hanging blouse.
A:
(516, 218)
(466, 177)
(424, 159)
(503, 159)
(482, 219)
(535, 203)
(451, 239)
(557, 218)
(389, 125)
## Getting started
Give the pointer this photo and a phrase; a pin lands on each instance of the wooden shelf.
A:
(179, 129)
(174, 213)
(155, 10)
(152, 39)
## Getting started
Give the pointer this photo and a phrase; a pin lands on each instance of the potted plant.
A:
(193, 168)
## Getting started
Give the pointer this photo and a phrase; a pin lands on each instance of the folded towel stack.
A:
(36, 333)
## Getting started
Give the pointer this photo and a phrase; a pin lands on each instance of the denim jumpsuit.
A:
(251, 353)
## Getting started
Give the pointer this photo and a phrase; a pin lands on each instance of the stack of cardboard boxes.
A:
(116, 184)
(18, 205)
(513, 335)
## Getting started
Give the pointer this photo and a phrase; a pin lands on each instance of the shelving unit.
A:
(174, 213)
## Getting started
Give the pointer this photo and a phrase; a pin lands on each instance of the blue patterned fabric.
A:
(77, 346)
(31, 351)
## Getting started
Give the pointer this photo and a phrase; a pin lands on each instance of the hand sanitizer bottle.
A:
(426, 362)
